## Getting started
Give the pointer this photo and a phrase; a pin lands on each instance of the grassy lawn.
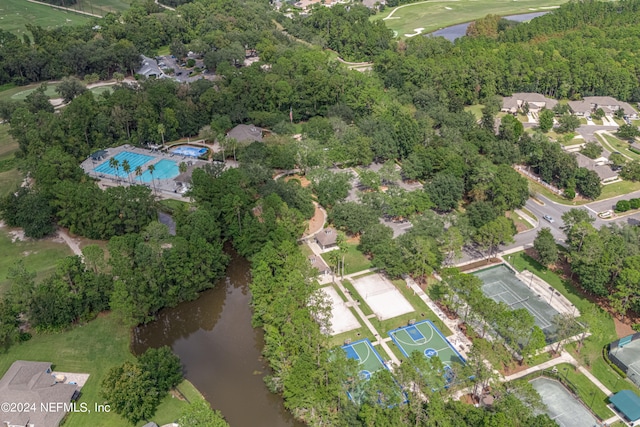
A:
(93, 348)
(14, 14)
(612, 144)
(475, 109)
(10, 177)
(354, 260)
(591, 353)
(102, 7)
(528, 212)
(355, 335)
(421, 307)
(8, 146)
(520, 223)
(618, 189)
(19, 93)
(433, 15)
(39, 256)
(540, 189)
(588, 392)
(171, 205)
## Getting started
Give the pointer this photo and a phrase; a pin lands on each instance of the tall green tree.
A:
(545, 245)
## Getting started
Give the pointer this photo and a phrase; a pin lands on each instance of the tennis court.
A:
(625, 353)
(562, 407)
(369, 361)
(425, 338)
(502, 285)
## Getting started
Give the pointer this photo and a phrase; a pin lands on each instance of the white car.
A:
(548, 218)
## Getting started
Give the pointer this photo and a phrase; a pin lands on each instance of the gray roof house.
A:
(318, 263)
(327, 238)
(512, 104)
(33, 383)
(246, 133)
(150, 68)
(608, 104)
(600, 167)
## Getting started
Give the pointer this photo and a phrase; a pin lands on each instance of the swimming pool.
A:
(164, 169)
(134, 160)
(187, 150)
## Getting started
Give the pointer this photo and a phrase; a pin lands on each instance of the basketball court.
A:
(342, 319)
(562, 407)
(502, 285)
(369, 361)
(382, 296)
(425, 338)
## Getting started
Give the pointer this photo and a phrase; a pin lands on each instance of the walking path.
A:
(70, 242)
(368, 324)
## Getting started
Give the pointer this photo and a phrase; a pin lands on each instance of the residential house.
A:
(246, 133)
(599, 166)
(327, 238)
(150, 68)
(33, 383)
(608, 104)
(514, 103)
(318, 263)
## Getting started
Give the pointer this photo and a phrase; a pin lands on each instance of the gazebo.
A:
(628, 403)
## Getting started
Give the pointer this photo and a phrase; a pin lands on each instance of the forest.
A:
(408, 111)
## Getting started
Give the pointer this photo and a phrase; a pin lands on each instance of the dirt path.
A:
(317, 222)
(70, 242)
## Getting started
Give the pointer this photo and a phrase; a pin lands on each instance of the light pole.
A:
(551, 289)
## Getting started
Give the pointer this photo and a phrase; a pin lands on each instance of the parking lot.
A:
(181, 73)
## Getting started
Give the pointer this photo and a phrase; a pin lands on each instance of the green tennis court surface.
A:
(369, 361)
(425, 338)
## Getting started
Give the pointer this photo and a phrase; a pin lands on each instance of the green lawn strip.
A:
(171, 205)
(517, 219)
(438, 14)
(539, 359)
(102, 7)
(15, 14)
(363, 305)
(528, 212)
(354, 335)
(540, 189)
(38, 256)
(8, 146)
(587, 391)
(360, 276)
(384, 326)
(395, 349)
(618, 189)
(613, 144)
(423, 312)
(591, 352)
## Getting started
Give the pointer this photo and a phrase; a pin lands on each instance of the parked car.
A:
(548, 218)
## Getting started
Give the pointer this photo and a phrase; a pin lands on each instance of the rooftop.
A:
(34, 383)
(246, 133)
(604, 171)
(628, 403)
(327, 236)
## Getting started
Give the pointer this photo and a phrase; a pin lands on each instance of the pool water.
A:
(134, 160)
(187, 150)
(165, 169)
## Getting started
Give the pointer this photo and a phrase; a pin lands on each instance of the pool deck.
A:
(164, 188)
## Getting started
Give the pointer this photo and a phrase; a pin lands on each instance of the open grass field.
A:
(39, 256)
(354, 260)
(102, 7)
(10, 177)
(14, 14)
(94, 349)
(430, 15)
(20, 93)
(604, 330)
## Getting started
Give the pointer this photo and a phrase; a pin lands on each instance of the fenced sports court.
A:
(369, 361)
(342, 319)
(426, 339)
(625, 354)
(562, 407)
(502, 285)
(382, 296)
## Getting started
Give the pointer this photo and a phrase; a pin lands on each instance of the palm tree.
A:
(114, 163)
(151, 169)
(182, 167)
(126, 167)
(138, 171)
(161, 131)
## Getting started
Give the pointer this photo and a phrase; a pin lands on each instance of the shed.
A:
(628, 403)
